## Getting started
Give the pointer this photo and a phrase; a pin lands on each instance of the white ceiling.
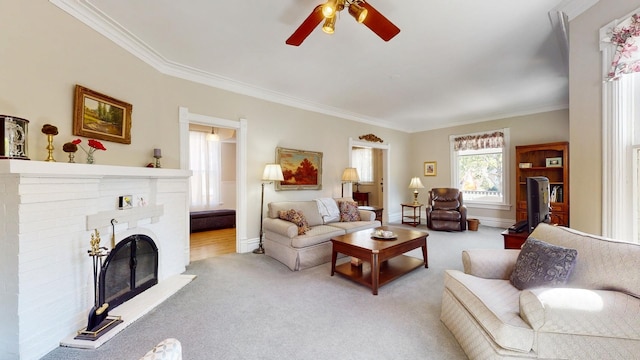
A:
(454, 61)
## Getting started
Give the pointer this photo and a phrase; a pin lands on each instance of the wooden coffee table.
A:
(383, 259)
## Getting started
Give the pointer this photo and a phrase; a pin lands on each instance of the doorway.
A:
(240, 127)
(380, 179)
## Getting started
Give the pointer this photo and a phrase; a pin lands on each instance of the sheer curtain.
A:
(362, 159)
(204, 158)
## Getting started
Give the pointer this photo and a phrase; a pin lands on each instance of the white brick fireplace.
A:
(48, 211)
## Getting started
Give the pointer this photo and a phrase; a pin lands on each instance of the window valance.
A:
(492, 140)
(626, 38)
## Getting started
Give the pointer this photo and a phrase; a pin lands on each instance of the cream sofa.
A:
(298, 252)
(168, 349)
(595, 315)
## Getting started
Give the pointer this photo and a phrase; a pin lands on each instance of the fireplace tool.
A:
(99, 320)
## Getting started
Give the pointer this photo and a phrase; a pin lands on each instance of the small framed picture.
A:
(554, 162)
(125, 202)
(430, 168)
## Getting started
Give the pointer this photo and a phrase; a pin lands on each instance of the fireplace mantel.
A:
(48, 212)
(78, 170)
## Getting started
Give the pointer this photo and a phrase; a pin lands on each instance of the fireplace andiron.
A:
(99, 321)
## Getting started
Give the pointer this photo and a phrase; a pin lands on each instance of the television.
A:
(538, 205)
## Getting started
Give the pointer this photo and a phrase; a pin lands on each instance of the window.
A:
(204, 159)
(479, 168)
(362, 159)
(620, 90)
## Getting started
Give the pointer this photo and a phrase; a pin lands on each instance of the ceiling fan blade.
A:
(306, 27)
(378, 23)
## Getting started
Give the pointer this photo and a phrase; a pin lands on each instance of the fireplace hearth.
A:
(130, 268)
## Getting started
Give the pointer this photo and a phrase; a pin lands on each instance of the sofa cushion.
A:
(296, 217)
(582, 312)
(447, 215)
(600, 259)
(494, 304)
(317, 234)
(542, 264)
(348, 211)
(353, 226)
(309, 208)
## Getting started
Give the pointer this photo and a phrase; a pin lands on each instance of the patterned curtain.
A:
(480, 141)
(626, 38)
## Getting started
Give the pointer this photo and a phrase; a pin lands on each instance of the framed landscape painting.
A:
(302, 169)
(102, 117)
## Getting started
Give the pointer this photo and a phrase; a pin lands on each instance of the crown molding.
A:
(573, 8)
(88, 14)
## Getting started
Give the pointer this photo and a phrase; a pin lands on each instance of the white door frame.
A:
(386, 169)
(240, 126)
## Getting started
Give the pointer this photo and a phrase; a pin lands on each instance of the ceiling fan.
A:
(359, 9)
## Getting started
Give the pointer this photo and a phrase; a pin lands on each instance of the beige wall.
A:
(585, 97)
(46, 52)
(524, 130)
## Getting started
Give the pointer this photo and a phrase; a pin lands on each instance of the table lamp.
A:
(272, 172)
(349, 175)
(415, 185)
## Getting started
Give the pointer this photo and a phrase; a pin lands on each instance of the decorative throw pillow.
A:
(542, 264)
(348, 211)
(296, 217)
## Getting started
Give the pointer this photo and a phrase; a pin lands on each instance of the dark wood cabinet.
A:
(362, 198)
(551, 161)
(514, 240)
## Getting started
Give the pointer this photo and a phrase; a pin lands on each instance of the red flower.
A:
(76, 141)
(96, 144)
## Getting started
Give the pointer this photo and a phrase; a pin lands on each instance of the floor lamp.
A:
(415, 185)
(272, 172)
(349, 175)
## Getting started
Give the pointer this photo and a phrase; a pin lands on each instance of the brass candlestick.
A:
(50, 148)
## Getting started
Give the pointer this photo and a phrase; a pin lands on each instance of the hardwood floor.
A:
(212, 243)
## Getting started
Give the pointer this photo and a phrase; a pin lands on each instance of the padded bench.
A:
(212, 220)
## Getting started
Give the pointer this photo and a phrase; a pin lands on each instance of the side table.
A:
(376, 209)
(514, 240)
(413, 220)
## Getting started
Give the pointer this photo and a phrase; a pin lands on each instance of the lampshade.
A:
(350, 175)
(272, 172)
(416, 183)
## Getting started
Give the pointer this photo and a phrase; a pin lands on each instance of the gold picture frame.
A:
(430, 168)
(101, 117)
(302, 169)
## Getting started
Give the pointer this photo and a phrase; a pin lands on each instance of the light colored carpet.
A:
(247, 306)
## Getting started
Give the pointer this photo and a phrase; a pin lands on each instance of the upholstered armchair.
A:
(445, 210)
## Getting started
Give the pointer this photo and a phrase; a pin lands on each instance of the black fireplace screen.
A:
(130, 268)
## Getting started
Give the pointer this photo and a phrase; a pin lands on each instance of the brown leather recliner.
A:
(445, 210)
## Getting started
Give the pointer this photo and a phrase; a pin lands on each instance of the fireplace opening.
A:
(130, 268)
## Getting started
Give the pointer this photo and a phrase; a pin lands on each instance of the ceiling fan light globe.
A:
(358, 12)
(329, 25)
(329, 9)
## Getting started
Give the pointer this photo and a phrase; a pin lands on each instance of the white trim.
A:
(573, 8)
(91, 16)
(617, 140)
(240, 126)
(386, 170)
